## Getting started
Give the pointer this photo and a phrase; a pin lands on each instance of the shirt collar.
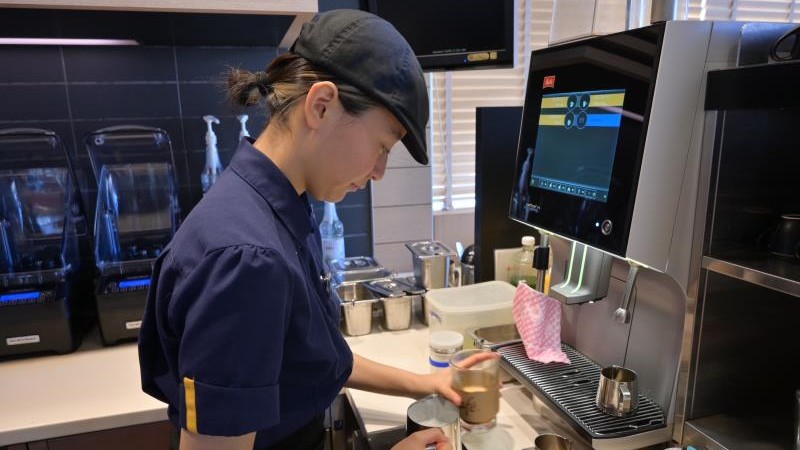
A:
(255, 168)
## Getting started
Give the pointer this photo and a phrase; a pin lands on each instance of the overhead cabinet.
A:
(183, 22)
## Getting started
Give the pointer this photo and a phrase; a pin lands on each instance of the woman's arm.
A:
(371, 376)
(194, 441)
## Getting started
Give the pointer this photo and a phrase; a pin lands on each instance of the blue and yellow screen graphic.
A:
(577, 141)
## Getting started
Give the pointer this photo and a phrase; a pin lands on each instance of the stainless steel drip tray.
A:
(571, 389)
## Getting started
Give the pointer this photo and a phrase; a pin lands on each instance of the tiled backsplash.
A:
(75, 90)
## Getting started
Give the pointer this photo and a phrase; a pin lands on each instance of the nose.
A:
(380, 167)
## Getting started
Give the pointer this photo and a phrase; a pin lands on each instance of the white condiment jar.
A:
(443, 344)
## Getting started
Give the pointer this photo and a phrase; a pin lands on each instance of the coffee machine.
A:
(46, 299)
(136, 215)
(609, 170)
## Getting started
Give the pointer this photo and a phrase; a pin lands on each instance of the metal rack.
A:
(571, 389)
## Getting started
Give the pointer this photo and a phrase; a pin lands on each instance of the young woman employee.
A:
(240, 334)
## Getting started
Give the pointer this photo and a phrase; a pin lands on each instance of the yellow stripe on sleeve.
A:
(191, 404)
(598, 100)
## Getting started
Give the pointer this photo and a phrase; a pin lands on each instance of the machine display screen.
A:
(576, 142)
(134, 283)
(5, 298)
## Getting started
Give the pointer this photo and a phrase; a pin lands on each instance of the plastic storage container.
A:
(476, 305)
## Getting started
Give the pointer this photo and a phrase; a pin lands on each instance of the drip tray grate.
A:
(572, 388)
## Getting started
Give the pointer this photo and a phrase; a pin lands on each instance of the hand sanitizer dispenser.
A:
(213, 166)
(243, 128)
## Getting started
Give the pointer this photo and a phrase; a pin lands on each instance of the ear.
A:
(320, 103)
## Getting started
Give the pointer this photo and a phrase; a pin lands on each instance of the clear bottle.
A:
(522, 270)
(331, 230)
(213, 167)
(443, 345)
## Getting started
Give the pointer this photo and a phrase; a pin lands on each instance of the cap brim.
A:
(414, 140)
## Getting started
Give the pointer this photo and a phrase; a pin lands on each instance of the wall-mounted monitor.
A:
(454, 34)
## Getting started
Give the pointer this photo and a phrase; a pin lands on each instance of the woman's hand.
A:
(441, 382)
(421, 439)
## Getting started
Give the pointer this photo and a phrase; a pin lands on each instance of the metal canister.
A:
(356, 268)
(396, 303)
(435, 264)
(434, 411)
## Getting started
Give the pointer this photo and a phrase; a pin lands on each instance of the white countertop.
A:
(94, 388)
(409, 350)
(98, 388)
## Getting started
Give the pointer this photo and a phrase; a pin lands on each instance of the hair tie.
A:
(263, 83)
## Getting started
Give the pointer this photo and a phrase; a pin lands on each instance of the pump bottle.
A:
(213, 167)
(243, 128)
(331, 230)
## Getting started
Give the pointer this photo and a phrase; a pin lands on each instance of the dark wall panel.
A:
(76, 90)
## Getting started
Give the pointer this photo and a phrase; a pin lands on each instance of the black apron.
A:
(308, 437)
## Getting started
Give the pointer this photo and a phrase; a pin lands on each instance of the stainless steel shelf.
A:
(724, 432)
(779, 274)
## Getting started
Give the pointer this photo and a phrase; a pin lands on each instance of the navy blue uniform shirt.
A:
(240, 333)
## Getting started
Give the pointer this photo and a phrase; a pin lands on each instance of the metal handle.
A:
(623, 314)
(455, 274)
(626, 397)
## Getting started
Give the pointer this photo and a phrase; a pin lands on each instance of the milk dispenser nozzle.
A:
(213, 166)
(243, 129)
(623, 314)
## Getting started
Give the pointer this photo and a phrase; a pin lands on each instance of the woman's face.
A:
(352, 151)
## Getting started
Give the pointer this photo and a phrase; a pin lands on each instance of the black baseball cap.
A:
(368, 52)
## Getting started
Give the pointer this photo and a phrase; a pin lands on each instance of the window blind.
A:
(744, 10)
(454, 97)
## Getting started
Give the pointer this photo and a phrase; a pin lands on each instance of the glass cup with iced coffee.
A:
(476, 379)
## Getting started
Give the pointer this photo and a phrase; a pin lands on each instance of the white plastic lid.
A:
(446, 340)
(528, 240)
(473, 298)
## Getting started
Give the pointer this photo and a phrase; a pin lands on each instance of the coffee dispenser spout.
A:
(587, 276)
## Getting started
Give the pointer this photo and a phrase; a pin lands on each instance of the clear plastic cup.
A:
(478, 385)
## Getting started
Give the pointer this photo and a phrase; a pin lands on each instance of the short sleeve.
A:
(230, 313)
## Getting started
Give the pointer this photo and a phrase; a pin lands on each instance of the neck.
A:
(278, 144)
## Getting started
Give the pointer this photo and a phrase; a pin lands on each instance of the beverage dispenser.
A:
(45, 287)
(609, 171)
(136, 215)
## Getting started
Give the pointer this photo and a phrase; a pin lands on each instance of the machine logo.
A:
(533, 208)
(22, 340)
(549, 82)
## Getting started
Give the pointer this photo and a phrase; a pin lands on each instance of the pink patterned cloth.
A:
(538, 319)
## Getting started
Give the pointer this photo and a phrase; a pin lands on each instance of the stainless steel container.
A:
(487, 337)
(412, 288)
(467, 274)
(435, 265)
(357, 268)
(396, 303)
(356, 301)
